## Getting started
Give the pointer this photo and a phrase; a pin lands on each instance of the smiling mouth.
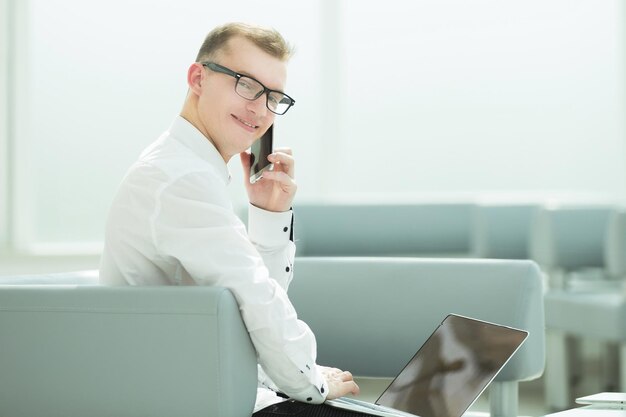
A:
(246, 123)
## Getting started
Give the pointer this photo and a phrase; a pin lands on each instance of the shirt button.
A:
(287, 269)
(322, 390)
(309, 399)
(285, 229)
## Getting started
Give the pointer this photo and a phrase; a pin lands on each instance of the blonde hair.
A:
(268, 39)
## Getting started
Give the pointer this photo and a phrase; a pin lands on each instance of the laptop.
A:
(448, 373)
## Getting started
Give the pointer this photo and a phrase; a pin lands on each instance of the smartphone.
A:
(260, 150)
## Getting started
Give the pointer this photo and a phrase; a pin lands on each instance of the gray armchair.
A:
(71, 348)
(84, 350)
(370, 315)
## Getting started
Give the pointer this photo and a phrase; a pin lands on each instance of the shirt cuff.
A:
(269, 229)
(315, 393)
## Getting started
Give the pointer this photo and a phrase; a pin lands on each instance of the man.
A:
(172, 223)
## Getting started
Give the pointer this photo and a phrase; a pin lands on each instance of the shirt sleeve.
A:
(271, 233)
(190, 225)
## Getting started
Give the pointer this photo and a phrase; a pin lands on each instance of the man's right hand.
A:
(340, 383)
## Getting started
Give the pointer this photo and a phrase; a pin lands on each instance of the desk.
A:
(591, 411)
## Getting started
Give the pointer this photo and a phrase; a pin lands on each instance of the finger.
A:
(284, 160)
(346, 376)
(351, 387)
(286, 150)
(356, 389)
(281, 157)
(281, 177)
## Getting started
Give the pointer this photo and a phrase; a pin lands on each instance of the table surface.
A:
(592, 411)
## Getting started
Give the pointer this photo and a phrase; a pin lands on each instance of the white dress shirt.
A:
(172, 223)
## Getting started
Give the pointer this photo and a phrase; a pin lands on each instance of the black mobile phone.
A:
(260, 150)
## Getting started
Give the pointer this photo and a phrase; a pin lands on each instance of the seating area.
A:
(580, 248)
(119, 341)
(400, 269)
(73, 348)
(395, 304)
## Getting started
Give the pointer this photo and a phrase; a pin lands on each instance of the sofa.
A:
(371, 229)
(71, 347)
(79, 349)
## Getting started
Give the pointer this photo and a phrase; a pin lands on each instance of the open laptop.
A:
(448, 373)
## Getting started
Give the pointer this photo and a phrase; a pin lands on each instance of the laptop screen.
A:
(452, 368)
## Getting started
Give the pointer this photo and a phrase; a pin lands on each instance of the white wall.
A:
(4, 128)
(395, 99)
(99, 81)
(483, 96)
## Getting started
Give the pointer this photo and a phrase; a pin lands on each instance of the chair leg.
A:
(573, 345)
(610, 367)
(503, 399)
(622, 366)
(557, 378)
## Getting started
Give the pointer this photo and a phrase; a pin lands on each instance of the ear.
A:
(195, 75)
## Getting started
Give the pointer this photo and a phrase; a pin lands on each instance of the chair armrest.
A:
(124, 351)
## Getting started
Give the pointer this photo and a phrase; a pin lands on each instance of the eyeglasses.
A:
(251, 89)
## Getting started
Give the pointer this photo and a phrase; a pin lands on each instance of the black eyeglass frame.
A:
(222, 69)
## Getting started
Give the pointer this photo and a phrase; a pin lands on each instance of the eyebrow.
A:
(256, 79)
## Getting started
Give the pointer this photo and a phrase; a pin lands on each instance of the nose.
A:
(258, 106)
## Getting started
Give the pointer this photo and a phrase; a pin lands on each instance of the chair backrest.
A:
(569, 237)
(89, 277)
(615, 245)
(72, 350)
(370, 315)
(383, 229)
(502, 231)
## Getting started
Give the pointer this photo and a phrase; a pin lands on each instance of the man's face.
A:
(232, 122)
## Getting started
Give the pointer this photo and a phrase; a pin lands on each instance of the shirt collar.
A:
(186, 133)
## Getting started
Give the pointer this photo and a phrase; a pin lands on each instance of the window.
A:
(395, 100)
(5, 161)
(496, 97)
(97, 82)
